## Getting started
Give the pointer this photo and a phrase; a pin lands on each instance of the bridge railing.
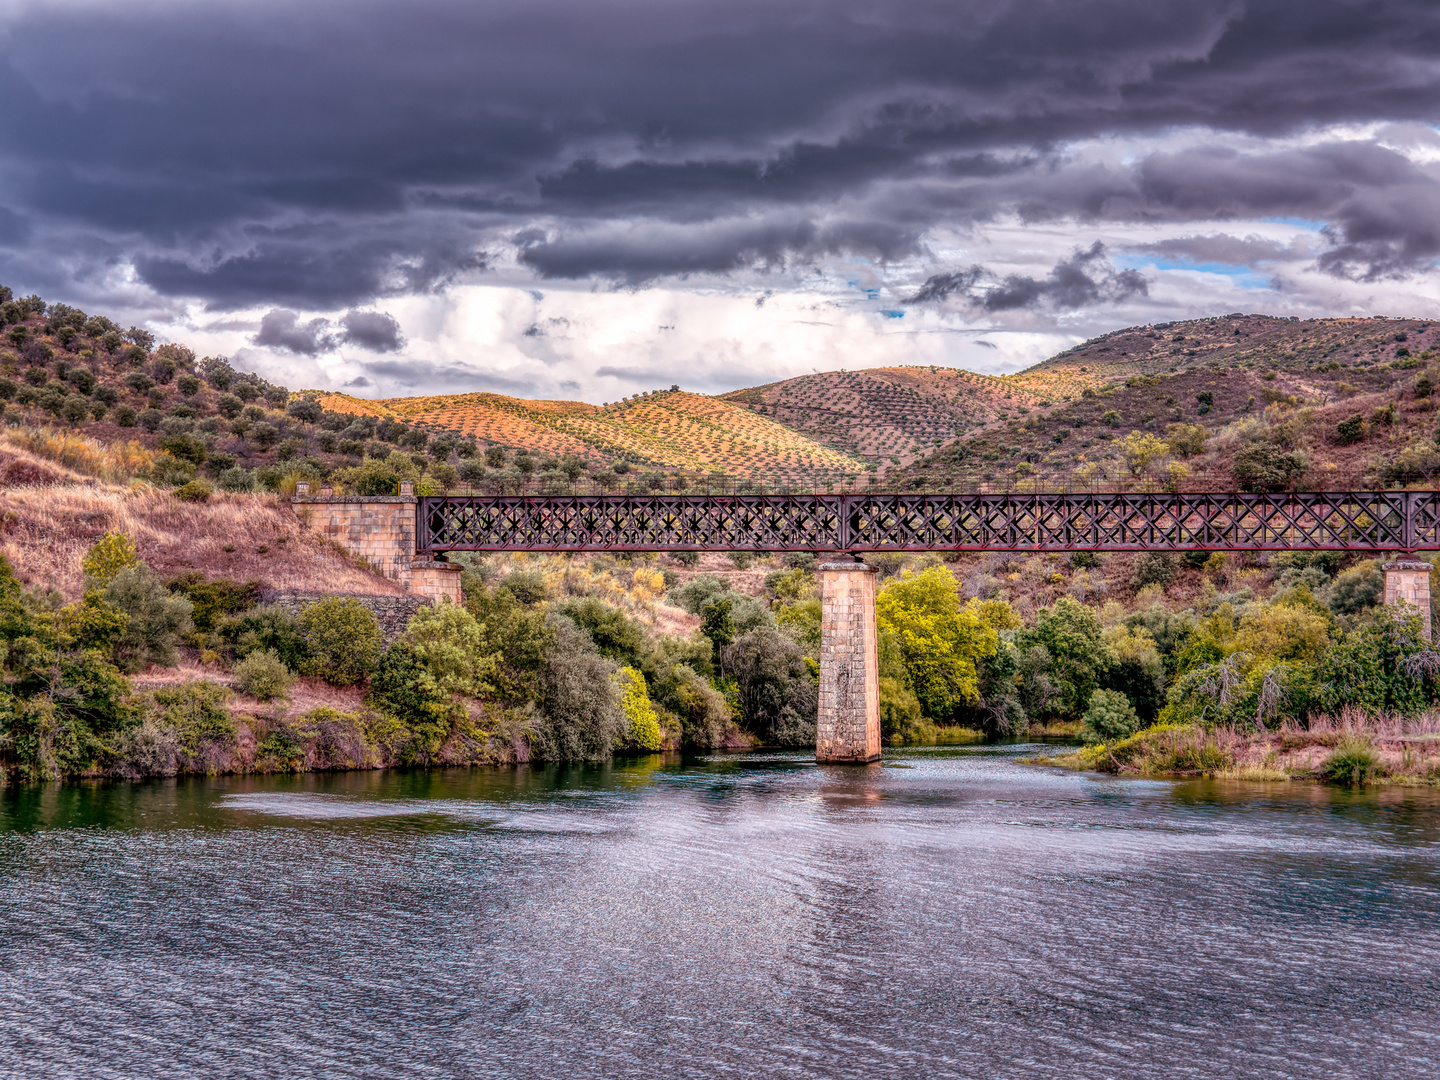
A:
(1050, 521)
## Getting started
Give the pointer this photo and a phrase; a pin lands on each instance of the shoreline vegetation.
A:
(1353, 749)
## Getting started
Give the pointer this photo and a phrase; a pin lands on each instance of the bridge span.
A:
(408, 537)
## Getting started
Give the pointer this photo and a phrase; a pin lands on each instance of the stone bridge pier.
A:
(847, 729)
(1408, 579)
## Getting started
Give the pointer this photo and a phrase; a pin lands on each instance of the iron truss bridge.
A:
(1313, 520)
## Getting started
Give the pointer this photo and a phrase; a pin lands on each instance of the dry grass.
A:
(45, 532)
(116, 462)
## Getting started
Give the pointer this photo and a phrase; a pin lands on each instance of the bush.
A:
(125, 416)
(644, 732)
(194, 491)
(263, 676)
(1110, 717)
(236, 478)
(778, 695)
(451, 648)
(401, 686)
(213, 599)
(1350, 430)
(1262, 466)
(526, 586)
(342, 637)
(1153, 568)
(158, 619)
(107, 557)
(1353, 762)
(1357, 589)
(580, 718)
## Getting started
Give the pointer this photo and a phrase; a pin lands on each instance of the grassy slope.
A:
(1316, 373)
(669, 429)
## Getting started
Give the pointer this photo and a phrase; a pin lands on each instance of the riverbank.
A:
(1351, 750)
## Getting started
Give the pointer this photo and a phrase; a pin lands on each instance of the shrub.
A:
(451, 648)
(158, 619)
(267, 626)
(125, 416)
(1353, 762)
(580, 718)
(107, 557)
(526, 586)
(1350, 430)
(343, 639)
(263, 676)
(1357, 589)
(1262, 466)
(1153, 568)
(401, 687)
(214, 599)
(199, 715)
(1110, 717)
(236, 478)
(1110, 418)
(777, 693)
(194, 491)
(644, 726)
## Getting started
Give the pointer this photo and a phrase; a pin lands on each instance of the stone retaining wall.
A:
(392, 612)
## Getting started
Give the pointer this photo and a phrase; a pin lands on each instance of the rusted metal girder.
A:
(1189, 521)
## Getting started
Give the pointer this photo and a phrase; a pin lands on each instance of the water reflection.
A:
(947, 912)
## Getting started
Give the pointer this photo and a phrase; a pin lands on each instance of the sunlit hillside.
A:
(668, 429)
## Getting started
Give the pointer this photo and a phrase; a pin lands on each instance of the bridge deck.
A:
(1189, 521)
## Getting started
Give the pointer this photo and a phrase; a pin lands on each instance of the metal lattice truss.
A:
(1360, 521)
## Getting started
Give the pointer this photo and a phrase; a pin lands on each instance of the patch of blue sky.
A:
(1244, 276)
(890, 313)
(1307, 224)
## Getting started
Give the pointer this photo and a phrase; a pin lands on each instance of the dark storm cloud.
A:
(377, 331)
(1084, 279)
(1225, 250)
(280, 329)
(321, 155)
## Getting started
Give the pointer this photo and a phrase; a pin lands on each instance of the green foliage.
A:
(616, 636)
(371, 478)
(1263, 466)
(194, 491)
(517, 635)
(342, 637)
(112, 553)
(644, 726)
(1354, 762)
(1070, 634)
(939, 640)
(1375, 666)
(157, 619)
(450, 646)
(1357, 589)
(263, 675)
(267, 626)
(1153, 568)
(402, 686)
(212, 600)
(580, 718)
(526, 586)
(776, 689)
(1110, 717)
(199, 714)
(900, 717)
(717, 622)
(1350, 430)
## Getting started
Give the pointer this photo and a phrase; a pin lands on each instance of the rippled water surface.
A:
(953, 913)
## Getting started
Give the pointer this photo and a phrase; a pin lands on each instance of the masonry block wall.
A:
(848, 725)
(381, 530)
(1409, 580)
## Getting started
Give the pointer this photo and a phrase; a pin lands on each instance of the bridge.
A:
(408, 536)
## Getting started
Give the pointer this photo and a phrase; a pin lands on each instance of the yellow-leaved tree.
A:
(939, 638)
(644, 725)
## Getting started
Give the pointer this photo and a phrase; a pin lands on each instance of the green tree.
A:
(157, 618)
(342, 637)
(1071, 635)
(107, 557)
(1110, 717)
(939, 640)
(450, 645)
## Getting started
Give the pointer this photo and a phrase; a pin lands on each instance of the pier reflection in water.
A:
(950, 913)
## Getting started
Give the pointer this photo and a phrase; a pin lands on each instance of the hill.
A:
(891, 416)
(668, 429)
(1230, 383)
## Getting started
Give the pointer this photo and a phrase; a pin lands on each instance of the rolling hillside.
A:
(669, 429)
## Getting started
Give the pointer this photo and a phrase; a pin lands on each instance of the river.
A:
(952, 913)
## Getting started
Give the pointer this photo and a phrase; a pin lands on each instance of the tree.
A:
(157, 618)
(644, 731)
(1263, 466)
(938, 639)
(107, 557)
(1071, 636)
(451, 647)
(778, 693)
(1110, 717)
(343, 638)
(1140, 449)
(1185, 440)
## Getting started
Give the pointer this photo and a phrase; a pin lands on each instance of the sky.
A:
(551, 198)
